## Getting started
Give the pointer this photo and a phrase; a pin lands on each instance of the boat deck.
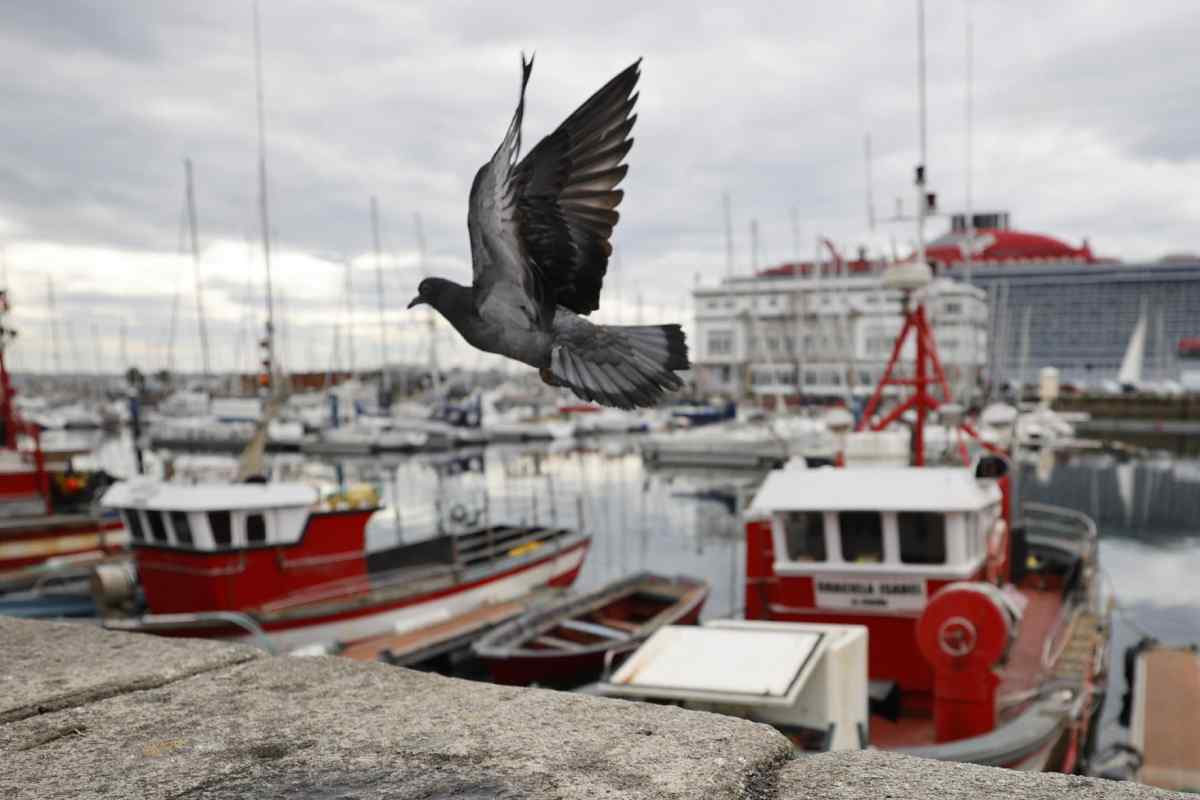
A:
(1021, 674)
(430, 641)
(1166, 707)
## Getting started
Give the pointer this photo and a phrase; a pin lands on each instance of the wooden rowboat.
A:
(567, 643)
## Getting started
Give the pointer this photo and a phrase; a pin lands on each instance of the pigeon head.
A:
(436, 292)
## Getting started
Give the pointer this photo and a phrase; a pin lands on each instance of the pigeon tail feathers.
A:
(624, 366)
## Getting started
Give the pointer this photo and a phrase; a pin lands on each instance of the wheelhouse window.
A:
(804, 535)
(158, 526)
(133, 521)
(862, 536)
(922, 537)
(218, 522)
(256, 529)
(183, 529)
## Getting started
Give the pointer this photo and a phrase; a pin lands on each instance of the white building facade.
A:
(828, 337)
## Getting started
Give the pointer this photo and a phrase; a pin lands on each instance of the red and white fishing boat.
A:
(45, 513)
(266, 560)
(987, 627)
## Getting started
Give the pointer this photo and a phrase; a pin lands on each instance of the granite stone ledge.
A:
(332, 728)
(857, 775)
(47, 666)
(91, 714)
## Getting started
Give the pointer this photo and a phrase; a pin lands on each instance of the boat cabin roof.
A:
(706, 661)
(874, 488)
(157, 495)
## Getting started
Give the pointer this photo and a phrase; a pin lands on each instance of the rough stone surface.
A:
(879, 774)
(46, 666)
(327, 727)
(125, 716)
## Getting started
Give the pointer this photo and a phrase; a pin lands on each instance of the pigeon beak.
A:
(416, 301)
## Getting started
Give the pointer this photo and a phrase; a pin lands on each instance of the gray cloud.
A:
(1075, 102)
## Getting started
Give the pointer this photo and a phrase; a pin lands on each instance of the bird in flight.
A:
(540, 228)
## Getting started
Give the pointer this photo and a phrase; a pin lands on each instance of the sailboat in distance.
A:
(1129, 378)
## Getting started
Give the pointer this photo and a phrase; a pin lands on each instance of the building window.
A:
(804, 535)
(158, 528)
(256, 529)
(183, 530)
(712, 305)
(133, 521)
(724, 373)
(922, 537)
(862, 536)
(218, 521)
(952, 308)
(720, 343)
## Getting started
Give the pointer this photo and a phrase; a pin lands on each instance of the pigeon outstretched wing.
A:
(543, 223)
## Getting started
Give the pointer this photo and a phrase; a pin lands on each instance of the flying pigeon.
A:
(540, 228)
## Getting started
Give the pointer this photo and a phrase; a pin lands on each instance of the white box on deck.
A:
(788, 673)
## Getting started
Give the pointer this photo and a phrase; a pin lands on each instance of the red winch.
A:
(964, 631)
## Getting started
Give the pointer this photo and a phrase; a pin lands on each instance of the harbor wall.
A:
(89, 713)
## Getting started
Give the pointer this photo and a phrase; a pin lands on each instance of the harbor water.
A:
(686, 522)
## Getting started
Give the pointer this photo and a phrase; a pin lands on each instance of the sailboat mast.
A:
(728, 235)
(434, 377)
(264, 215)
(870, 182)
(55, 354)
(191, 212)
(383, 349)
(350, 314)
(754, 246)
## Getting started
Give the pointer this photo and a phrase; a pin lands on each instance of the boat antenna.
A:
(970, 227)
(922, 199)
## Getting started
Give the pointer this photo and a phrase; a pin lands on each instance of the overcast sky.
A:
(1086, 125)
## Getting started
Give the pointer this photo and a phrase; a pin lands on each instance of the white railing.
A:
(467, 510)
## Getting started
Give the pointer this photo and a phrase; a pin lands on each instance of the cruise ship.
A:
(1020, 302)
